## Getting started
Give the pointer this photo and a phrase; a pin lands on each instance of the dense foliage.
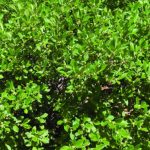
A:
(74, 74)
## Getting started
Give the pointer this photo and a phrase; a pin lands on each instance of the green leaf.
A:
(124, 133)
(66, 127)
(144, 129)
(1, 76)
(76, 124)
(15, 128)
(8, 147)
(45, 140)
(26, 111)
(94, 137)
(110, 118)
(60, 122)
(72, 136)
(34, 148)
(79, 143)
(66, 148)
(79, 132)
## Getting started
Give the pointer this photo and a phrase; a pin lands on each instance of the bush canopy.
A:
(74, 74)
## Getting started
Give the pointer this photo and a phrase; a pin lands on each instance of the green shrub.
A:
(74, 74)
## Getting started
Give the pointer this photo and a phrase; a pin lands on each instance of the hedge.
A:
(74, 74)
